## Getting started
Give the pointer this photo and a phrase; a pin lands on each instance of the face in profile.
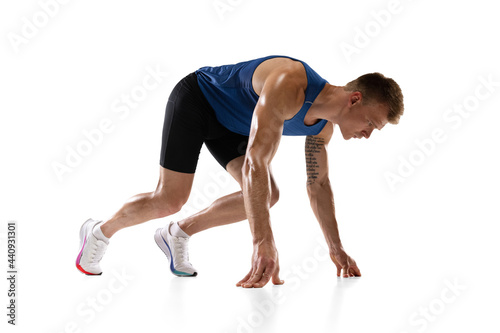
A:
(360, 119)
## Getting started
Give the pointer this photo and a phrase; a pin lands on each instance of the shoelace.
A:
(99, 249)
(181, 249)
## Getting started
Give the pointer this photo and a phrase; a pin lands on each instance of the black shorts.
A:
(189, 122)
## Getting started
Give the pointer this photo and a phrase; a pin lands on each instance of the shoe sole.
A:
(163, 245)
(83, 241)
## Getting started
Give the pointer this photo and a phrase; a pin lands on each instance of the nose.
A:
(367, 133)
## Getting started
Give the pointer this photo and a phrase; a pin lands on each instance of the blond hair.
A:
(377, 88)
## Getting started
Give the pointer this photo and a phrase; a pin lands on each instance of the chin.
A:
(345, 136)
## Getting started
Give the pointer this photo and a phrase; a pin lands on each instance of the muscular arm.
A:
(321, 198)
(281, 97)
(318, 185)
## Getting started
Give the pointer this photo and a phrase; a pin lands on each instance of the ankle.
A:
(107, 230)
(177, 230)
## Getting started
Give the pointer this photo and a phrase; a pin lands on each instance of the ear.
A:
(355, 98)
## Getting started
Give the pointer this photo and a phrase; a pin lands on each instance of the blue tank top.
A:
(229, 91)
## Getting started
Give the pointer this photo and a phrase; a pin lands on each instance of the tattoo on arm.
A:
(312, 150)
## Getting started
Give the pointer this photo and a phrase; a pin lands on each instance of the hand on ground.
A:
(265, 266)
(345, 263)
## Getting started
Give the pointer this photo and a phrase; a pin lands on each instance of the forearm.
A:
(321, 199)
(257, 198)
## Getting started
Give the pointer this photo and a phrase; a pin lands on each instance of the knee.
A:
(275, 194)
(166, 205)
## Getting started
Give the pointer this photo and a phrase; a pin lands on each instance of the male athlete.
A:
(240, 112)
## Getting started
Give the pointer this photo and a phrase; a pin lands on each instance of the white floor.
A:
(402, 290)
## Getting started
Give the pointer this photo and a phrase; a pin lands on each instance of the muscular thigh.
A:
(174, 186)
(185, 126)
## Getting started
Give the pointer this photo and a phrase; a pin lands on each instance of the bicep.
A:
(280, 98)
(265, 135)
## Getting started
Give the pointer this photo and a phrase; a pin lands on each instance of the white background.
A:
(435, 228)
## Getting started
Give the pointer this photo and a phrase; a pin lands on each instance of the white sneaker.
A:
(91, 249)
(176, 248)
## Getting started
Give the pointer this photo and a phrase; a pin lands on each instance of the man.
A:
(240, 112)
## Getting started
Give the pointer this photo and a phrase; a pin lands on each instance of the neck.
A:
(329, 103)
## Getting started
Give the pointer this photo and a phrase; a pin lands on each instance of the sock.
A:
(176, 231)
(98, 233)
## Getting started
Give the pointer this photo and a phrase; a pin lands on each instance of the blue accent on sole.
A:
(172, 268)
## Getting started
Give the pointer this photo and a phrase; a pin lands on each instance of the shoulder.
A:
(283, 71)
